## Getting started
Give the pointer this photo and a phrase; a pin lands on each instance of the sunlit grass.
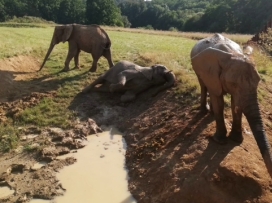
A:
(8, 137)
(49, 112)
(263, 61)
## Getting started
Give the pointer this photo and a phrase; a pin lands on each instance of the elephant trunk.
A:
(252, 112)
(171, 78)
(170, 81)
(52, 44)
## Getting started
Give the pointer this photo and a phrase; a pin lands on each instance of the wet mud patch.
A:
(103, 174)
(33, 175)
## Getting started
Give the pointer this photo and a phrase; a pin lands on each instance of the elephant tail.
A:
(108, 41)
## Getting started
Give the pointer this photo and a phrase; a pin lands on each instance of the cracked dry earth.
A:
(170, 156)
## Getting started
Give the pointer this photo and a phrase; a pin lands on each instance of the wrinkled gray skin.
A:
(89, 38)
(222, 68)
(132, 79)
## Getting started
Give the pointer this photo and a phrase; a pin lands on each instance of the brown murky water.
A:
(99, 175)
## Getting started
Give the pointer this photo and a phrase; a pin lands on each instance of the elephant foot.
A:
(236, 136)
(64, 69)
(203, 109)
(219, 138)
(92, 69)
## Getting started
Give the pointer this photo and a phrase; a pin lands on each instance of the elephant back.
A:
(216, 41)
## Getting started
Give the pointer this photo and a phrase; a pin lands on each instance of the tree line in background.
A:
(233, 16)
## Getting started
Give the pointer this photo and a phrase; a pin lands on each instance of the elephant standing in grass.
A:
(132, 79)
(89, 38)
(222, 68)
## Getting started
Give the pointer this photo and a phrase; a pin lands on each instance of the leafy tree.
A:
(133, 10)
(49, 9)
(104, 12)
(13, 8)
(125, 21)
(2, 11)
(243, 16)
(71, 11)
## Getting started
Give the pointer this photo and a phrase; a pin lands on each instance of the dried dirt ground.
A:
(170, 156)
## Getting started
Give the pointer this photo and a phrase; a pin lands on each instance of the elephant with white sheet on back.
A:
(132, 79)
(221, 67)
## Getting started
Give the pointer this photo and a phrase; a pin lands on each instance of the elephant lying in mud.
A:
(89, 38)
(132, 79)
(222, 68)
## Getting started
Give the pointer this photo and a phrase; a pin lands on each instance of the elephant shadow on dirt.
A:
(14, 89)
(107, 109)
(212, 174)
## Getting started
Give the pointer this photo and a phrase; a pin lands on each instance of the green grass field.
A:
(143, 47)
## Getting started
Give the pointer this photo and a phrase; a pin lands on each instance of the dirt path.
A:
(170, 156)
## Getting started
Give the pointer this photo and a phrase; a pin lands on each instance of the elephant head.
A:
(159, 70)
(61, 34)
(223, 72)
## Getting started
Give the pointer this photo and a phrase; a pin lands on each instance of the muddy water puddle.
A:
(99, 175)
(5, 191)
(38, 165)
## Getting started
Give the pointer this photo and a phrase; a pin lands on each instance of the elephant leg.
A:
(203, 98)
(103, 88)
(71, 53)
(121, 82)
(107, 55)
(128, 96)
(99, 80)
(218, 109)
(96, 55)
(236, 130)
(76, 59)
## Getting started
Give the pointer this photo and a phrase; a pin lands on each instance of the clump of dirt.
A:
(13, 109)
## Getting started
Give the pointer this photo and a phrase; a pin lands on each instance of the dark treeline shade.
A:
(232, 16)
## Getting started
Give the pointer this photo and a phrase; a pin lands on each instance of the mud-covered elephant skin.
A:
(222, 68)
(89, 38)
(132, 79)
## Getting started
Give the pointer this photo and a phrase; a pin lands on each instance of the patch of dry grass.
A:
(239, 38)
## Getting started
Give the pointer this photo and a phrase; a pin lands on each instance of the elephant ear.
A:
(208, 67)
(67, 32)
(243, 73)
(146, 71)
